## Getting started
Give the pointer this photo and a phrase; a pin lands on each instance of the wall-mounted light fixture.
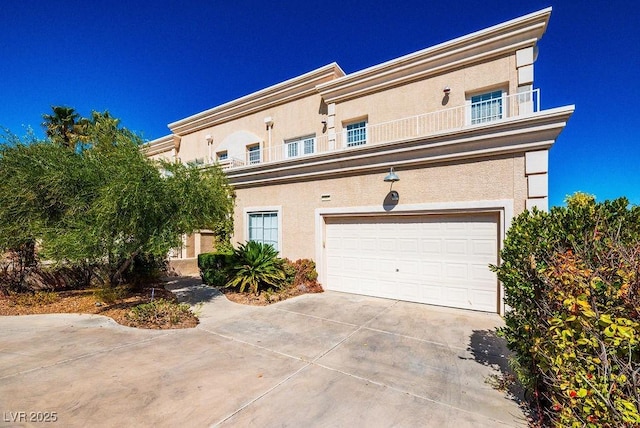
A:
(392, 177)
(268, 121)
(446, 90)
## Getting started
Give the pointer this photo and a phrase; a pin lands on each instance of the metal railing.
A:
(424, 125)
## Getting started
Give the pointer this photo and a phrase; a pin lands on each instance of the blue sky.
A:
(154, 62)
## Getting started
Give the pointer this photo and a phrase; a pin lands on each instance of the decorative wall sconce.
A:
(446, 90)
(392, 177)
(393, 197)
(268, 121)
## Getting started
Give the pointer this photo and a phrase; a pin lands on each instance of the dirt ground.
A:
(86, 302)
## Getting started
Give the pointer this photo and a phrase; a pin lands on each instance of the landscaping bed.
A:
(268, 297)
(163, 313)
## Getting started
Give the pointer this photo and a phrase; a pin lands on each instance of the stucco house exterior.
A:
(461, 125)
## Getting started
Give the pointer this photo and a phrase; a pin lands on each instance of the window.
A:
(222, 156)
(357, 133)
(300, 146)
(253, 153)
(263, 227)
(486, 107)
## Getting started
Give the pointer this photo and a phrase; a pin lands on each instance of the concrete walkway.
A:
(326, 360)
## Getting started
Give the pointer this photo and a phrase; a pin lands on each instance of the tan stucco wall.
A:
(303, 116)
(427, 96)
(488, 179)
(298, 118)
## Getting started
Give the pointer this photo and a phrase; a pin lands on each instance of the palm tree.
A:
(64, 126)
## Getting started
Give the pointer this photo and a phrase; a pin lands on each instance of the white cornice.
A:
(534, 132)
(287, 91)
(482, 45)
(159, 145)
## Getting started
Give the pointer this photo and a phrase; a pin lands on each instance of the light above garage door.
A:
(435, 259)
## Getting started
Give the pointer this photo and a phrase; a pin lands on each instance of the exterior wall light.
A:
(446, 90)
(268, 121)
(392, 177)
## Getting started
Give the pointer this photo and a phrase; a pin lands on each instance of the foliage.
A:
(214, 267)
(38, 298)
(159, 312)
(64, 127)
(255, 266)
(91, 198)
(302, 273)
(111, 295)
(572, 280)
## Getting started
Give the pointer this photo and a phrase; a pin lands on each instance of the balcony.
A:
(471, 115)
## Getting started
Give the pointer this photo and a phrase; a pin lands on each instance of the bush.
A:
(109, 294)
(302, 274)
(214, 267)
(159, 312)
(255, 266)
(145, 269)
(572, 280)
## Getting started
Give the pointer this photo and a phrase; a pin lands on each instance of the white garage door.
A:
(435, 259)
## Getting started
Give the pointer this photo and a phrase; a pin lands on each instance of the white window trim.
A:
(345, 132)
(300, 141)
(470, 95)
(263, 209)
(248, 153)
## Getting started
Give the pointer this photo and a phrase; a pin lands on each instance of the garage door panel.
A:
(456, 271)
(457, 296)
(431, 270)
(483, 300)
(431, 293)
(481, 274)
(407, 245)
(436, 259)
(409, 267)
(456, 247)
(369, 244)
(483, 247)
(431, 246)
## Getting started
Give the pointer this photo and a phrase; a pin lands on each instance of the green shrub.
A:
(572, 280)
(145, 269)
(255, 266)
(159, 312)
(214, 267)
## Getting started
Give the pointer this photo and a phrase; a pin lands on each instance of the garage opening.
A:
(439, 259)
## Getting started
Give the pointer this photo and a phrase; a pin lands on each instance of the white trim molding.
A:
(261, 209)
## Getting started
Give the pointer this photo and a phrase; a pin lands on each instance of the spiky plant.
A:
(255, 266)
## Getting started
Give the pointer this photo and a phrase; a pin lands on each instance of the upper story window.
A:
(357, 133)
(253, 154)
(486, 107)
(222, 156)
(300, 147)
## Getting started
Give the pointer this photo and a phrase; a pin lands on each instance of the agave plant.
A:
(255, 266)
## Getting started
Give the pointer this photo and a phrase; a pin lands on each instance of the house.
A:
(399, 180)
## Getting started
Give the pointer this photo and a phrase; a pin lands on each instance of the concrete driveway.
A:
(328, 360)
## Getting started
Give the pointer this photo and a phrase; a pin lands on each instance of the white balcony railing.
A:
(456, 118)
